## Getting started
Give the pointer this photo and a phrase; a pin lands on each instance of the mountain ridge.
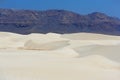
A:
(57, 21)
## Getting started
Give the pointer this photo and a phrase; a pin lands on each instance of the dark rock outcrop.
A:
(57, 21)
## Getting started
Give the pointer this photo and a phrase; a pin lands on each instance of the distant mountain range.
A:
(57, 21)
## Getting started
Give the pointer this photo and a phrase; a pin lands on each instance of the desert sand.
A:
(79, 56)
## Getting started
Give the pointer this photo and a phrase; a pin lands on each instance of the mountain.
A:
(57, 21)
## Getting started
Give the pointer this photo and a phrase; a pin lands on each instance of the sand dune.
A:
(46, 46)
(111, 52)
(80, 56)
(90, 36)
(28, 67)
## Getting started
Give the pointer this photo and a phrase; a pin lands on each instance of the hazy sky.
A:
(110, 7)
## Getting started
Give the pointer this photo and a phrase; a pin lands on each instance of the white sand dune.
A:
(80, 56)
(90, 36)
(112, 52)
(46, 46)
(42, 67)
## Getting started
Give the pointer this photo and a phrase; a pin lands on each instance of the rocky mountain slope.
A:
(57, 21)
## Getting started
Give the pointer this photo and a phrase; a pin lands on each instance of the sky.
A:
(109, 7)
